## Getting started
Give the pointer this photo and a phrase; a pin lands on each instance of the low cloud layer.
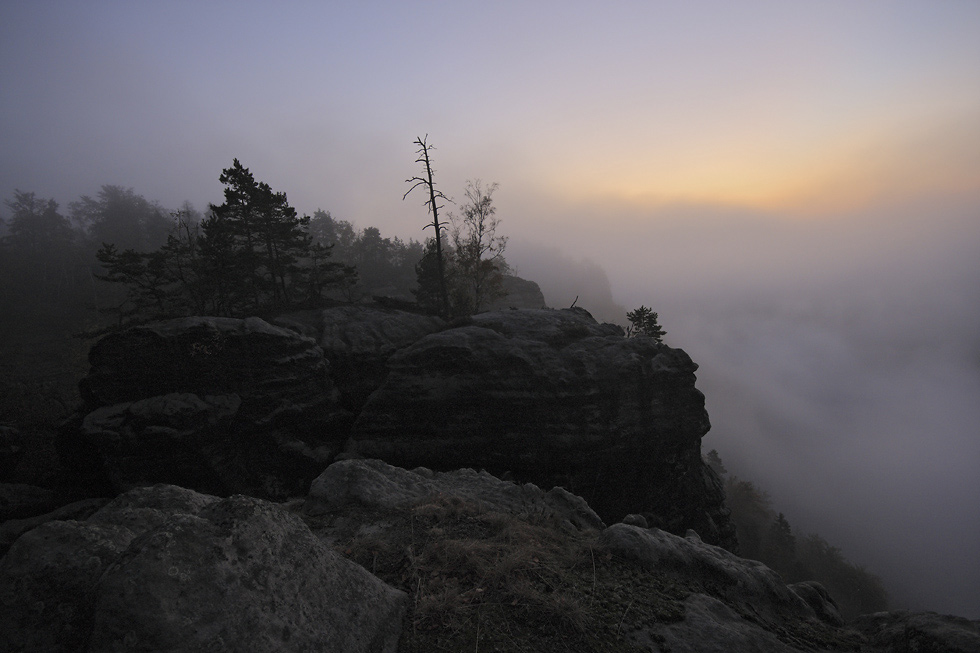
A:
(841, 364)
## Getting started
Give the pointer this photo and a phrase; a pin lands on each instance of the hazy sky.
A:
(795, 186)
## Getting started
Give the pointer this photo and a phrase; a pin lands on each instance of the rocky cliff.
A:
(549, 396)
(554, 398)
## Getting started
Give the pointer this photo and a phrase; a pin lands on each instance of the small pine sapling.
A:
(643, 322)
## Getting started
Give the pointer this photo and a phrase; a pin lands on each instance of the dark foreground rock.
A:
(11, 451)
(556, 399)
(379, 558)
(165, 568)
(19, 500)
(920, 632)
(493, 565)
(743, 604)
(12, 529)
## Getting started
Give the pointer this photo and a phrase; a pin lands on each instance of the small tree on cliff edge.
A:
(478, 250)
(433, 205)
(643, 322)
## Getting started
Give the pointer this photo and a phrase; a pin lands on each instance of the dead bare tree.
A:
(433, 205)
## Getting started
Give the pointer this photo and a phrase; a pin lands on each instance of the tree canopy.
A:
(251, 255)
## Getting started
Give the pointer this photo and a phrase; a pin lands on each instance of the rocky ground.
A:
(379, 558)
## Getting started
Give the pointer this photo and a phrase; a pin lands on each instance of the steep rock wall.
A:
(554, 398)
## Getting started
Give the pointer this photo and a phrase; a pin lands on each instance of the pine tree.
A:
(643, 322)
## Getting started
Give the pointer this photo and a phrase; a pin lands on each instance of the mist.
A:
(840, 359)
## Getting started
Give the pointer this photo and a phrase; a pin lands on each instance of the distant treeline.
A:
(766, 536)
(118, 258)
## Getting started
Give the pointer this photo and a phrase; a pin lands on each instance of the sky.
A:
(793, 186)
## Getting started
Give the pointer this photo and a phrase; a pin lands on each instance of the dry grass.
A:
(482, 580)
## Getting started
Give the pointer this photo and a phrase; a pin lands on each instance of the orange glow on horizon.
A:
(882, 164)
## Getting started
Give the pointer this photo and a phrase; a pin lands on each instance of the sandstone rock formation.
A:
(518, 293)
(358, 341)
(240, 406)
(216, 404)
(556, 399)
(165, 568)
(264, 365)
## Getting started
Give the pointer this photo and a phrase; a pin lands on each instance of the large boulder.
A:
(165, 568)
(358, 341)
(556, 399)
(216, 404)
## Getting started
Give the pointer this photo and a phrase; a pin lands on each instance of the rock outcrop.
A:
(215, 404)
(358, 341)
(264, 365)
(919, 632)
(518, 293)
(738, 581)
(556, 399)
(165, 568)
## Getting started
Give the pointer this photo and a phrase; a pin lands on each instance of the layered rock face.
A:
(358, 341)
(554, 398)
(216, 404)
(264, 365)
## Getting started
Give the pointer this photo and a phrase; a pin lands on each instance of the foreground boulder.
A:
(165, 568)
(556, 399)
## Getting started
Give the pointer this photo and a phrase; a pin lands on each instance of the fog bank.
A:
(840, 359)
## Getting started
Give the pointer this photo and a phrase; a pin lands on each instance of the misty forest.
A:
(90, 273)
